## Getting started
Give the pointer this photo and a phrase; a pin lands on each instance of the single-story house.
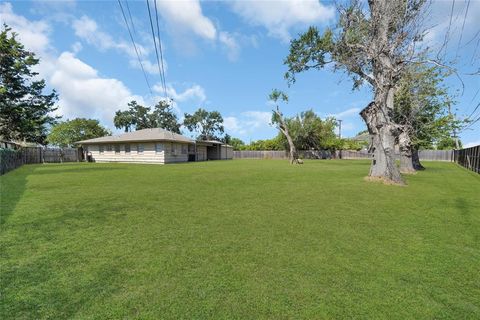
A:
(153, 146)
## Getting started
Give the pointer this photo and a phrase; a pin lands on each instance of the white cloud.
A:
(33, 34)
(345, 114)
(188, 16)
(248, 122)
(438, 25)
(231, 45)
(88, 30)
(472, 144)
(195, 93)
(280, 16)
(77, 47)
(82, 91)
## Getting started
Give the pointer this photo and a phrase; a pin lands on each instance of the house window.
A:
(172, 148)
(139, 148)
(159, 147)
(101, 149)
(191, 148)
(184, 149)
(127, 148)
(117, 148)
(109, 148)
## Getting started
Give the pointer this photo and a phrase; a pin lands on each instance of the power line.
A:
(161, 51)
(135, 47)
(155, 44)
(131, 20)
(463, 26)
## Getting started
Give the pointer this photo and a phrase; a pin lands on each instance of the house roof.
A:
(155, 134)
(212, 142)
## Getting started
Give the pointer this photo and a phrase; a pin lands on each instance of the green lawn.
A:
(242, 239)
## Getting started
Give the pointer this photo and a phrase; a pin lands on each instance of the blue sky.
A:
(224, 56)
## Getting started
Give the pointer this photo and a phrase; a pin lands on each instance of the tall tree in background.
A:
(164, 117)
(281, 122)
(236, 143)
(309, 131)
(66, 133)
(24, 109)
(422, 107)
(124, 119)
(139, 117)
(207, 124)
(373, 46)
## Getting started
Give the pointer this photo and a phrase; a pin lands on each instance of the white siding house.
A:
(153, 146)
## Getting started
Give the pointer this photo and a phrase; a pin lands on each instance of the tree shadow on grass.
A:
(72, 168)
(14, 183)
(12, 187)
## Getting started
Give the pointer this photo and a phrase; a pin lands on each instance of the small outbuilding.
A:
(153, 146)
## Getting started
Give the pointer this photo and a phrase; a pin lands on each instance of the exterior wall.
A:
(201, 153)
(213, 152)
(227, 153)
(167, 153)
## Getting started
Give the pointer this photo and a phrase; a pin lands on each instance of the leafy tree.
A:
(282, 123)
(139, 117)
(227, 138)
(276, 143)
(24, 108)
(124, 119)
(66, 133)
(373, 46)
(309, 131)
(422, 107)
(236, 143)
(207, 124)
(448, 143)
(164, 117)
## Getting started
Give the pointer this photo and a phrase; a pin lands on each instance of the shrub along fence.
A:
(434, 155)
(14, 158)
(468, 158)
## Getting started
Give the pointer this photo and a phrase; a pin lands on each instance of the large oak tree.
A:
(374, 46)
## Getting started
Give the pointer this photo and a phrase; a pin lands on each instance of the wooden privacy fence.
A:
(432, 155)
(14, 158)
(468, 158)
(10, 159)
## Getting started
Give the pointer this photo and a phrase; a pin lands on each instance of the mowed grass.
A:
(242, 239)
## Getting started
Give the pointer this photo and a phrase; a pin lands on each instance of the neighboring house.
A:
(153, 146)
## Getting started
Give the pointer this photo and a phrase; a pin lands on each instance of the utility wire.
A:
(131, 20)
(463, 26)
(155, 44)
(161, 51)
(135, 47)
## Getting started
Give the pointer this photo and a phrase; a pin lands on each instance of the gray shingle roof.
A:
(155, 134)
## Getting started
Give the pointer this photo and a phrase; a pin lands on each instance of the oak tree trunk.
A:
(406, 153)
(382, 144)
(416, 160)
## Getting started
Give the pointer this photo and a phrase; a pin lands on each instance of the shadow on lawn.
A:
(72, 168)
(14, 183)
(12, 187)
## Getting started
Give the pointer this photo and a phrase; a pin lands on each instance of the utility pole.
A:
(339, 129)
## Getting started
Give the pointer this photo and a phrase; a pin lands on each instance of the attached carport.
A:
(213, 150)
